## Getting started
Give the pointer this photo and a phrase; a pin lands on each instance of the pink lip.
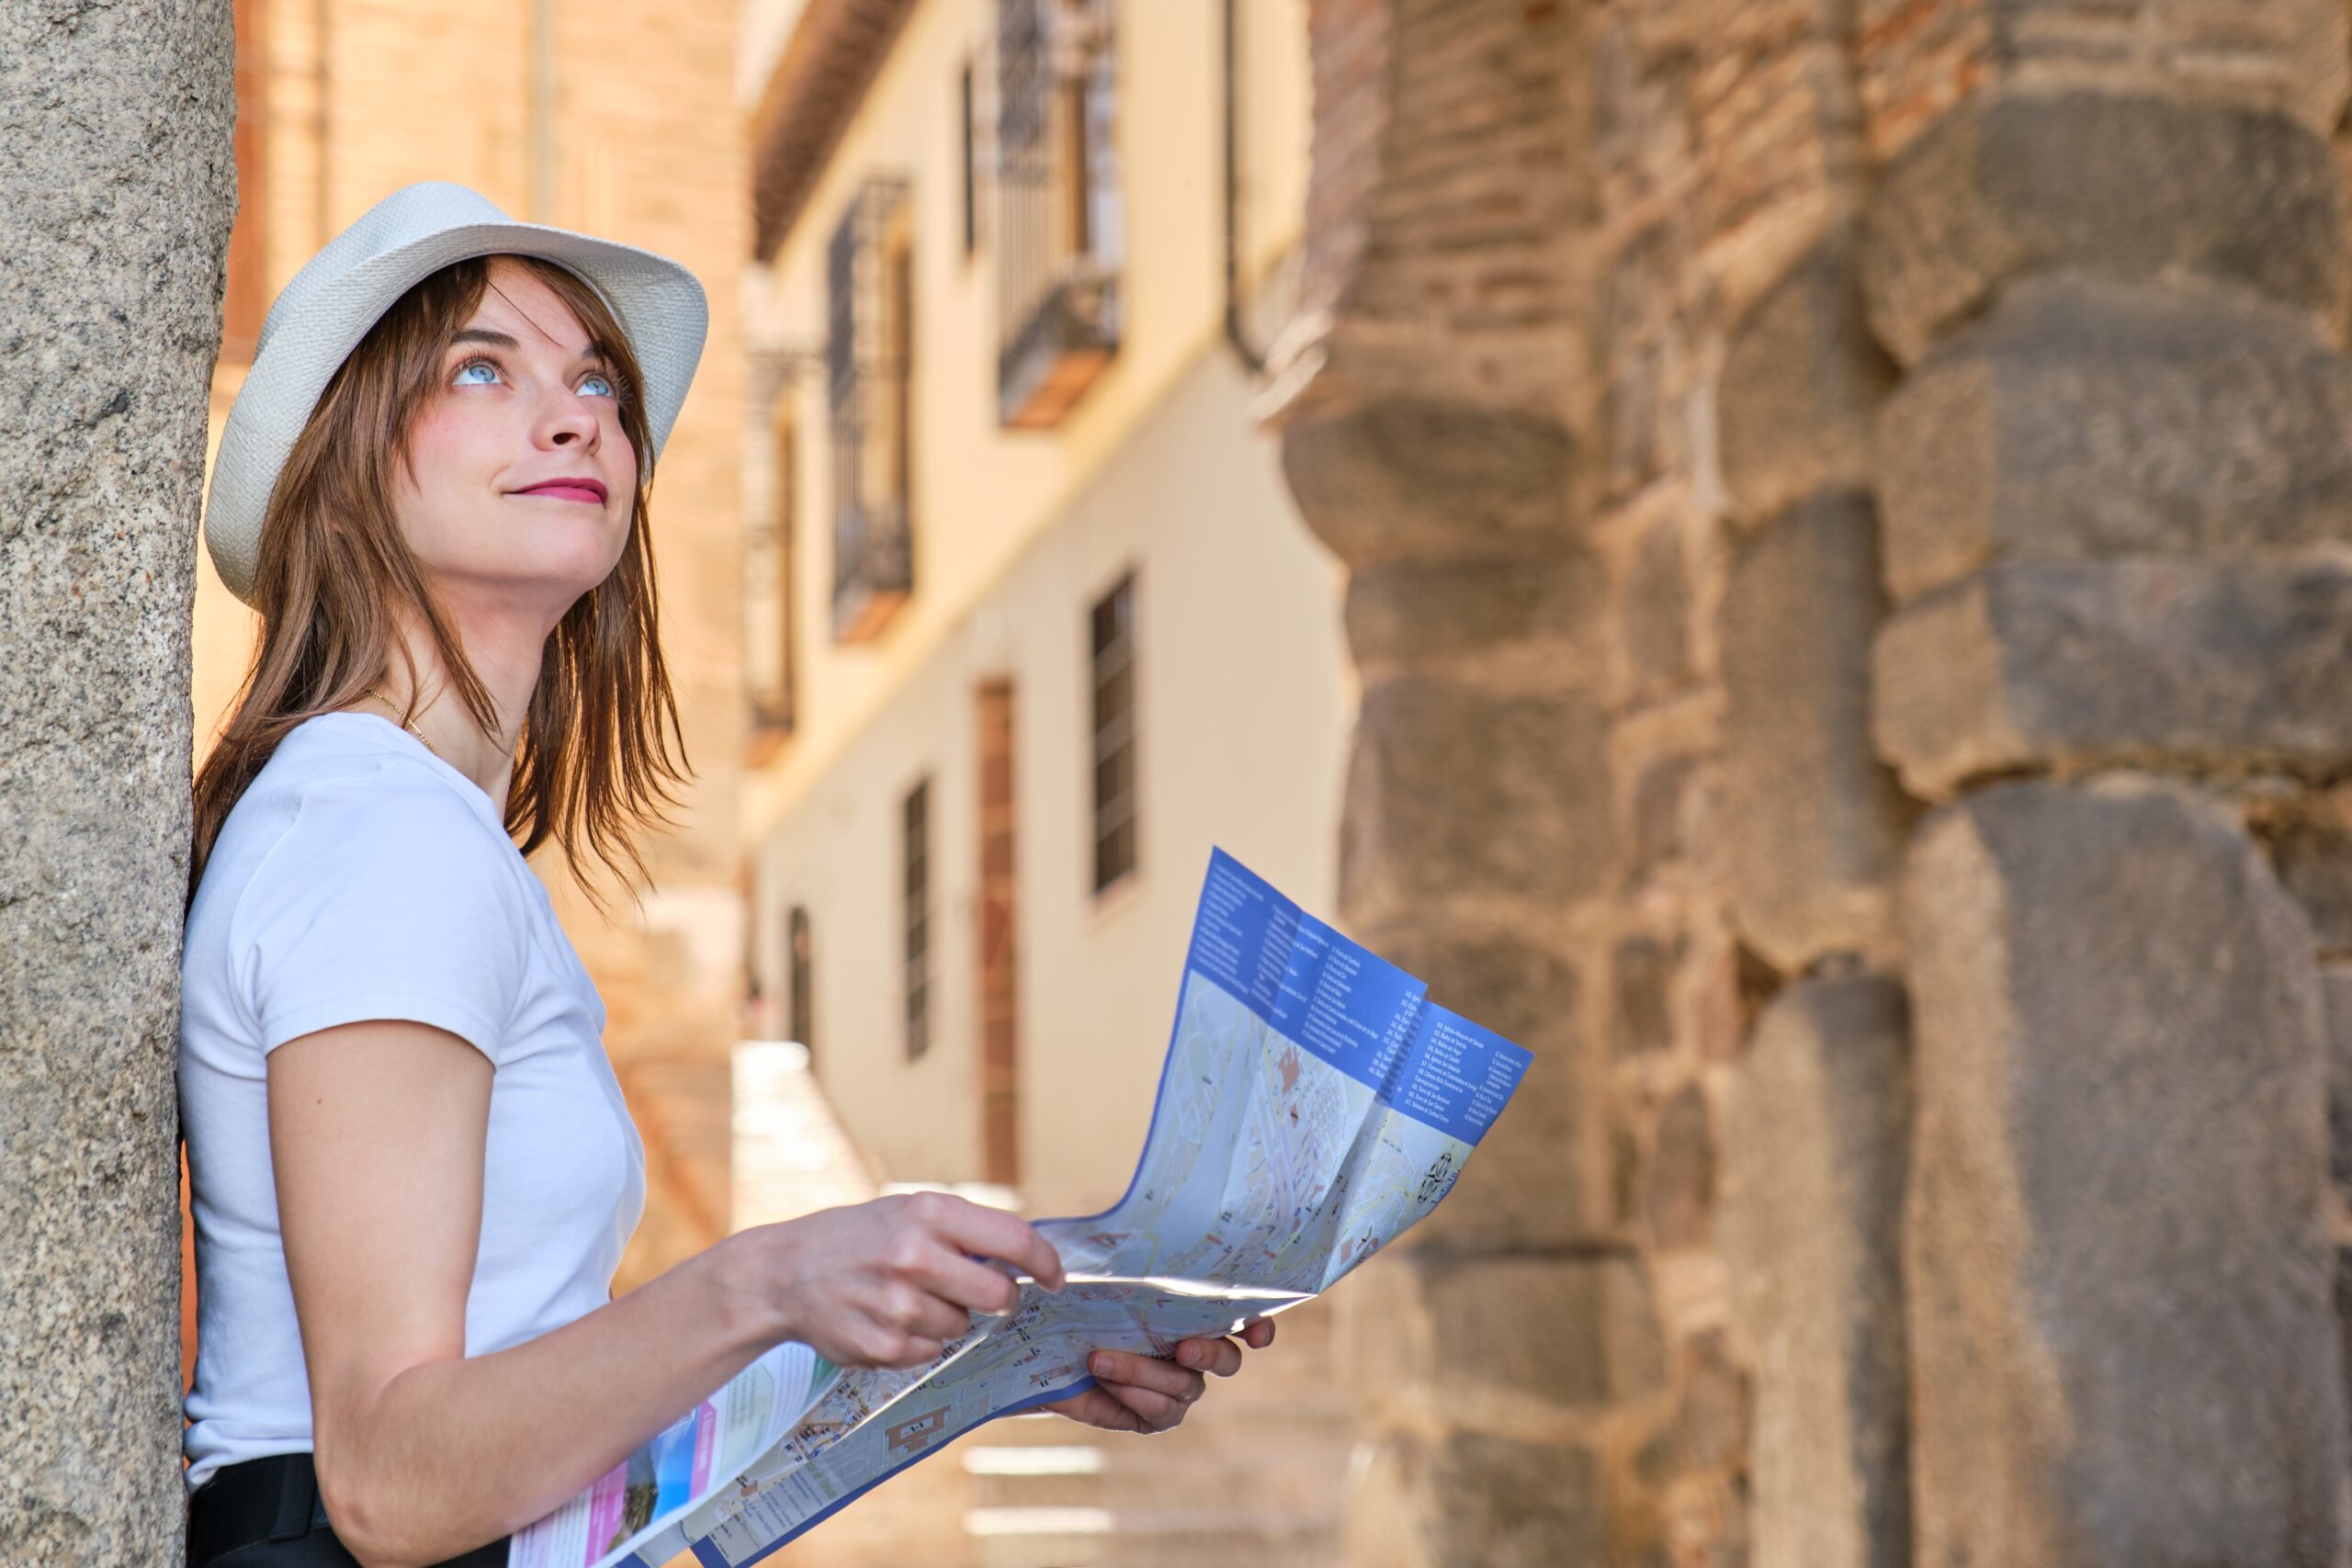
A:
(568, 490)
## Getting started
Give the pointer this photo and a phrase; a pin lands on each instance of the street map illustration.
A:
(1313, 1106)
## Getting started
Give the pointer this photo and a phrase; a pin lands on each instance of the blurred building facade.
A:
(1031, 622)
(1029, 619)
(611, 118)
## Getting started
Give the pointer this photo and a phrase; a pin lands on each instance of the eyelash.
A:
(469, 362)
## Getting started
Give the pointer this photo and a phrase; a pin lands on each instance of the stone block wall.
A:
(1845, 500)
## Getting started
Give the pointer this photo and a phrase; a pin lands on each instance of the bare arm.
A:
(376, 1133)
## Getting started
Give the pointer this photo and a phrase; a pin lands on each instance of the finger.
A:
(1259, 1335)
(1222, 1356)
(940, 1321)
(910, 1309)
(1156, 1410)
(991, 1232)
(1096, 1408)
(903, 1350)
(954, 1277)
(1146, 1372)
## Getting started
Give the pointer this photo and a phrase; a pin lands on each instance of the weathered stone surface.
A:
(1817, 1129)
(1424, 609)
(1468, 1500)
(1653, 609)
(2344, 1316)
(2335, 1002)
(1455, 790)
(1815, 821)
(1661, 826)
(1641, 995)
(1485, 1340)
(1679, 1189)
(2287, 55)
(2308, 840)
(1638, 430)
(1712, 1416)
(1538, 1178)
(1449, 170)
(2087, 663)
(1405, 476)
(1799, 387)
(2117, 1277)
(2126, 187)
(117, 189)
(2090, 418)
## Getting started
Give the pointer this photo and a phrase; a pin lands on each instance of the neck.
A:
(442, 718)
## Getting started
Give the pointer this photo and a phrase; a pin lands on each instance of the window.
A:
(869, 360)
(971, 166)
(800, 1021)
(1111, 637)
(1057, 239)
(917, 842)
(248, 288)
(768, 587)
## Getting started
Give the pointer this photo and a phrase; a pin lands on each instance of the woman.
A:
(413, 1172)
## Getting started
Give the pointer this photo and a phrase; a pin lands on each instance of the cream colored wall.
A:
(980, 495)
(761, 28)
(1244, 706)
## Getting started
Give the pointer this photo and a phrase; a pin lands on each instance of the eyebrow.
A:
(503, 340)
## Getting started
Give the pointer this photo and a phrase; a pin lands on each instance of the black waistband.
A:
(277, 1499)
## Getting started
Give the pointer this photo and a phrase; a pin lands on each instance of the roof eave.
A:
(828, 64)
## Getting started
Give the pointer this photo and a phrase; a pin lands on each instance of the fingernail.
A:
(1189, 1354)
(1098, 1364)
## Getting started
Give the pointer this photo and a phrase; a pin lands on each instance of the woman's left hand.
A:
(1147, 1393)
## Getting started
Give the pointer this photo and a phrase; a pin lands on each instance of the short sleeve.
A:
(388, 896)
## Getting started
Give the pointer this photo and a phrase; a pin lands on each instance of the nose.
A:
(569, 421)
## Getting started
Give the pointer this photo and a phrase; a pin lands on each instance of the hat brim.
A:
(660, 305)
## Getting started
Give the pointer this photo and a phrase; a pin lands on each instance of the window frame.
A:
(773, 710)
(1058, 227)
(870, 335)
(918, 915)
(970, 171)
(800, 980)
(1122, 599)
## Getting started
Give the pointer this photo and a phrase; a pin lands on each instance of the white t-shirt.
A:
(361, 876)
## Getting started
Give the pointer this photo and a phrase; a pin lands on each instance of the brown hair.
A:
(334, 569)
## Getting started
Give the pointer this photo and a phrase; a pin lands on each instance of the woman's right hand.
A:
(888, 1284)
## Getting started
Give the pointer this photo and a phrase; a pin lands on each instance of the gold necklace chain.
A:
(404, 724)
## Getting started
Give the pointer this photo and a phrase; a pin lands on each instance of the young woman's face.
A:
(520, 482)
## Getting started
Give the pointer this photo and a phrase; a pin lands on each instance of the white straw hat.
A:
(341, 292)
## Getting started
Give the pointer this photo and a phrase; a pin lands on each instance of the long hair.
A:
(334, 570)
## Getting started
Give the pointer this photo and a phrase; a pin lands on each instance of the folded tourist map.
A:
(1313, 1104)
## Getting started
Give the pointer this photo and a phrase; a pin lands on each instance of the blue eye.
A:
(598, 385)
(465, 376)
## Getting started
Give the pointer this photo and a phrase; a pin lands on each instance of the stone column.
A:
(1427, 436)
(2108, 250)
(116, 194)
(1817, 1114)
(1762, 1069)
